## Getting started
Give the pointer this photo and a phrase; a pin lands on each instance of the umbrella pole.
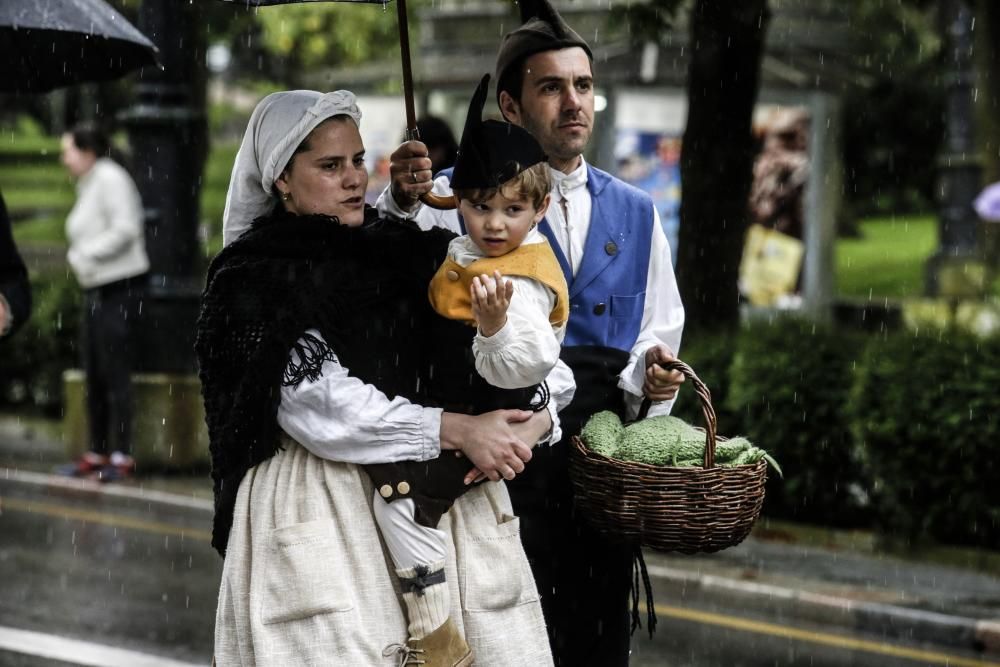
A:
(442, 203)
(404, 49)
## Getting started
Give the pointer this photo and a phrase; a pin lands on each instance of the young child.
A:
(503, 279)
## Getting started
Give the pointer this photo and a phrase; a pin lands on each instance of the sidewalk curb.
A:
(892, 621)
(59, 484)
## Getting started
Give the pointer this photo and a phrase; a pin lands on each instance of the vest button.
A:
(385, 491)
(452, 275)
(403, 488)
(611, 248)
(599, 309)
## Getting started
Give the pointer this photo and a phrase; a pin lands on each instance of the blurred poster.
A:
(651, 162)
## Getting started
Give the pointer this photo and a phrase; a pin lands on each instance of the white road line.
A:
(77, 652)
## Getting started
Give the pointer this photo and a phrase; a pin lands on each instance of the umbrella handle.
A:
(446, 203)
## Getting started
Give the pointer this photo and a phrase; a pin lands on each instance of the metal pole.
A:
(958, 166)
(167, 133)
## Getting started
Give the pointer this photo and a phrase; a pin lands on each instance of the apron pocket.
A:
(302, 577)
(497, 574)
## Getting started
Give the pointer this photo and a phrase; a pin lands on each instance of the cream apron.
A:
(307, 580)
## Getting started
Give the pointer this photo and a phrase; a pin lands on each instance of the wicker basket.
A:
(668, 508)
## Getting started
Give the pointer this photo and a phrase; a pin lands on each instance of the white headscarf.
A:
(277, 126)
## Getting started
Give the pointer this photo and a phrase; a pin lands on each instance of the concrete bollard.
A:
(169, 430)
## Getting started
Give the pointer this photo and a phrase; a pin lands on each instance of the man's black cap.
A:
(543, 29)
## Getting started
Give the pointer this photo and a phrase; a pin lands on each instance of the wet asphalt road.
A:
(136, 576)
(129, 577)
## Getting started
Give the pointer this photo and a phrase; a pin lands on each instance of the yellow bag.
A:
(770, 265)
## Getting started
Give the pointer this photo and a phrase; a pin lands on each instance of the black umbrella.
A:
(404, 47)
(45, 44)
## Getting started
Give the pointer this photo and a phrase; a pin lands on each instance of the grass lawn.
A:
(888, 259)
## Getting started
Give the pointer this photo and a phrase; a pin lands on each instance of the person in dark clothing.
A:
(15, 292)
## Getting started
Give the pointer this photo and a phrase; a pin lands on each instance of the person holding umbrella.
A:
(15, 292)
(310, 346)
(625, 319)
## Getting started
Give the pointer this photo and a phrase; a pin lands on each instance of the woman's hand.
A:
(410, 174)
(533, 430)
(660, 384)
(490, 300)
(488, 440)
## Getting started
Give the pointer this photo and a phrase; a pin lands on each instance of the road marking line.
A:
(77, 652)
(113, 520)
(736, 623)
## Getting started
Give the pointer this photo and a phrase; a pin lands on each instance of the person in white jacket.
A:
(107, 253)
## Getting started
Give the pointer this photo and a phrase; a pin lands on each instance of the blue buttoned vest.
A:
(608, 293)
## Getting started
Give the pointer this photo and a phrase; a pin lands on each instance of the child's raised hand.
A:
(490, 299)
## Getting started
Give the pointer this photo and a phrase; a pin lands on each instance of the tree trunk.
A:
(727, 42)
(987, 58)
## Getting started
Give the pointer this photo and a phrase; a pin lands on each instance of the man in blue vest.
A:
(625, 319)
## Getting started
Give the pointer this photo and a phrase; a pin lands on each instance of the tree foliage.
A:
(312, 35)
(894, 125)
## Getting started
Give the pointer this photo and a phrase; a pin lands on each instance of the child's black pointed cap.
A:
(491, 152)
(542, 29)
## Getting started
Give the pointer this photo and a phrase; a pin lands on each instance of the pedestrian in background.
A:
(15, 293)
(107, 253)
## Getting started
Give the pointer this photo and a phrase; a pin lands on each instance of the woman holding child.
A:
(312, 349)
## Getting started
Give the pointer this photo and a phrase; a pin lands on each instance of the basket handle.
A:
(706, 406)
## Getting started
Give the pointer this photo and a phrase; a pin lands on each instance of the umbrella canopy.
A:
(45, 44)
(987, 204)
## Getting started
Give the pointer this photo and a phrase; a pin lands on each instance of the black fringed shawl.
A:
(363, 288)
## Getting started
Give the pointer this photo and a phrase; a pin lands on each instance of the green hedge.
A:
(926, 416)
(895, 432)
(790, 382)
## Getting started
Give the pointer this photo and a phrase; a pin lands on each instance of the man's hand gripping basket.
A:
(685, 509)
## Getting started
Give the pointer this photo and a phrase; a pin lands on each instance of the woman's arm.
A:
(340, 418)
